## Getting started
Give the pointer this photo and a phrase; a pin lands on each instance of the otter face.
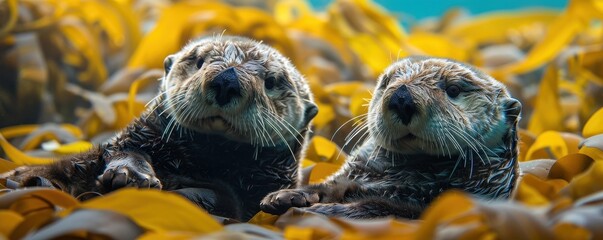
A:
(440, 107)
(239, 88)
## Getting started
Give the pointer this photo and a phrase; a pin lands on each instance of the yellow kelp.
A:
(75, 72)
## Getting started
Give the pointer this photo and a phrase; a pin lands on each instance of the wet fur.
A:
(467, 143)
(225, 167)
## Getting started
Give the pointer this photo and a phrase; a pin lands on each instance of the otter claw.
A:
(279, 202)
(124, 176)
(130, 170)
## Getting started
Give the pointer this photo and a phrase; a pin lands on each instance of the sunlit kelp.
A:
(73, 72)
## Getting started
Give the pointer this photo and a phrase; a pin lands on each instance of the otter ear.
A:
(167, 63)
(512, 109)
(310, 112)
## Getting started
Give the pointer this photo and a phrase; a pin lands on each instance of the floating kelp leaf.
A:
(117, 25)
(584, 218)
(169, 28)
(299, 224)
(261, 26)
(568, 166)
(326, 112)
(107, 224)
(318, 27)
(321, 171)
(593, 147)
(183, 21)
(171, 211)
(372, 52)
(21, 130)
(323, 150)
(100, 103)
(495, 27)
(574, 19)
(439, 46)
(535, 191)
(472, 219)
(594, 125)
(530, 195)
(325, 115)
(571, 231)
(344, 88)
(526, 140)
(47, 132)
(359, 101)
(547, 114)
(589, 182)
(372, 33)
(122, 80)
(19, 157)
(262, 218)
(92, 124)
(441, 212)
(32, 223)
(553, 145)
(71, 148)
(6, 165)
(247, 230)
(288, 11)
(137, 109)
(10, 220)
(539, 168)
(168, 235)
(37, 206)
(382, 228)
(13, 16)
(83, 52)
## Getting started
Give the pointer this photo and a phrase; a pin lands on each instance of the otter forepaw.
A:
(279, 202)
(129, 171)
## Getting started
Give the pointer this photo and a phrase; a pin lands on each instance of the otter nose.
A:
(226, 86)
(402, 104)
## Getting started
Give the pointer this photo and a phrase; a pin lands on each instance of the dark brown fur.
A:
(218, 155)
(466, 142)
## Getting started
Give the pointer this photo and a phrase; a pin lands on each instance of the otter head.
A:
(238, 88)
(441, 107)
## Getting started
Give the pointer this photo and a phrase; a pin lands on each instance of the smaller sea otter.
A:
(434, 124)
(230, 122)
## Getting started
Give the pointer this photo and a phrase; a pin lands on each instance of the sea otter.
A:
(228, 127)
(433, 124)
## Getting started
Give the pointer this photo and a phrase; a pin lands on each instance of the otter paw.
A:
(27, 176)
(129, 171)
(279, 202)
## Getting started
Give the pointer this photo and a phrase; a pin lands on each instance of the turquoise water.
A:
(409, 10)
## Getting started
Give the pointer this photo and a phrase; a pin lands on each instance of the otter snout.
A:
(226, 86)
(402, 104)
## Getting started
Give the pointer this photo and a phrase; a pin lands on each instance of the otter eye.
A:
(199, 63)
(269, 83)
(453, 91)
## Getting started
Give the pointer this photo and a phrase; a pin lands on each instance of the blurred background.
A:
(74, 72)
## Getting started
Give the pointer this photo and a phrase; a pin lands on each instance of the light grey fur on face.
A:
(264, 114)
(442, 125)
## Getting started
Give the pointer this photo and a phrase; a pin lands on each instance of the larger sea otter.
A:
(229, 124)
(434, 124)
